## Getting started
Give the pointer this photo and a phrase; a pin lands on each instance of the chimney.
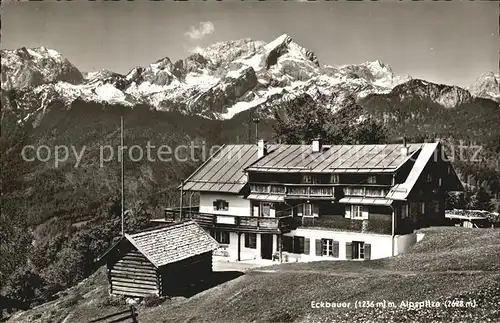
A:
(261, 148)
(316, 145)
(404, 149)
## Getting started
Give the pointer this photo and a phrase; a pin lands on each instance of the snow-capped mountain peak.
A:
(26, 67)
(487, 86)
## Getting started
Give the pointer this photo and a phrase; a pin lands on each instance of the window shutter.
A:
(296, 245)
(368, 251)
(287, 244)
(319, 245)
(306, 246)
(215, 205)
(300, 209)
(336, 249)
(365, 212)
(226, 205)
(348, 250)
(315, 209)
(348, 211)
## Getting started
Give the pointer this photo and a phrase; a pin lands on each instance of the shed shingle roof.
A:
(173, 243)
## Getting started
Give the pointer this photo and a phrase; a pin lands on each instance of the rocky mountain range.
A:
(223, 80)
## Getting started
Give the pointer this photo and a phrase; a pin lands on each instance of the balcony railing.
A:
(318, 190)
(280, 224)
(380, 225)
(365, 191)
(294, 190)
(260, 188)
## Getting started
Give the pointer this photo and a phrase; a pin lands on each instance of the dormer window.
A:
(334, 179)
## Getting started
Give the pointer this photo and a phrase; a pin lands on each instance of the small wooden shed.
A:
(161, 261)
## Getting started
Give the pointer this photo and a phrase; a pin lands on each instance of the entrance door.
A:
(266, 246)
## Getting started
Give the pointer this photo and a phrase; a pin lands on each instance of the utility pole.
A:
(180, 202)
(122, 174)
(256, 120)
(249, 127)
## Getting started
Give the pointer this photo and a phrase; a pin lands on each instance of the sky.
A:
(443, 42)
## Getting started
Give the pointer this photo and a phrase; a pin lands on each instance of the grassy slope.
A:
(284, 292)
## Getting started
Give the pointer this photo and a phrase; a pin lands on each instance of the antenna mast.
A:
(256, 121)
(122, 171)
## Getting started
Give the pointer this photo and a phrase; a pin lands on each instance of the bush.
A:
(114, 301)
(24, 285)
(153, 300)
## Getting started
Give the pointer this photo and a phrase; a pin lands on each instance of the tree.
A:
(24, 285)
(300, 120)
(455, 200)
(481, 200)
(305, 119)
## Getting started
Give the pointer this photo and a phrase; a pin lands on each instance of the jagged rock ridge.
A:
(222, 80)
(487, 86)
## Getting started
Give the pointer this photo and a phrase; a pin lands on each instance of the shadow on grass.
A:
(214, 279)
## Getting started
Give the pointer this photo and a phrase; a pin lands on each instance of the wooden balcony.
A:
(378, 224)
(297, 190)
(365, 191)
(233, 223)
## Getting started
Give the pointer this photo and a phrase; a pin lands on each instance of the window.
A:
(222, 237)
(287, 244)
(327, 247)
(440, 181)
(358, 250)
(298, 244)
(404, 211)
(310, 179)
(372, 180)
(293, 244)
(429, 177)
(334, 179)
(307, 209)
(356, 211)
(221, 205)
(251, 240)
(422, 207)
(435, 206)
(265, 208)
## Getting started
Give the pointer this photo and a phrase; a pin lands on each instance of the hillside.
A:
(448, 264)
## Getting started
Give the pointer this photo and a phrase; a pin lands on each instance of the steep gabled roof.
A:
(401, 191)
(173, 243)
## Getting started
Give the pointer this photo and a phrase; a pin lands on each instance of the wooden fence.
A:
(130, 314)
